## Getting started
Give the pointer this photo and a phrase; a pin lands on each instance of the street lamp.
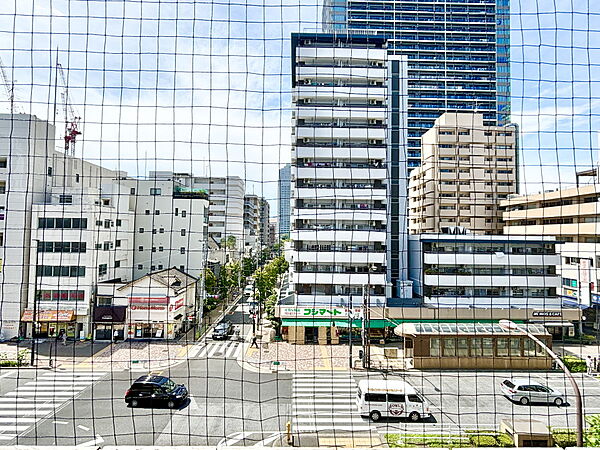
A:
(509, 325)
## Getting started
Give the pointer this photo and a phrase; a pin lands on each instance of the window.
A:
(107, 245)
(153, 249)
(102, 269)
(176, 211)
(414, 398)
(161, 230)
(104, 301)
(182, 250)
(462, 348)
(117, 264)
(132, 191)
(157, 212)
(160, 267)
(155, 191)
(118, 222)
(434, 347)
(183, 213)
(65, 199)
(98, 246)
(449, 347)
(147, 212)
(141, 230)
(396, 398)
(160, 248)
(98, 223)
(3, 163)
(530, 348)
(118, 243)
(76, 178)
(502, 347)
(182, 268)
(49, 171)
(515, 347)
(153, 230)
(375, 398)
(152, 268)
(60, 271)
(107, 223)
(464, 132)
(141, 248)
(183, 231)
(140, 267)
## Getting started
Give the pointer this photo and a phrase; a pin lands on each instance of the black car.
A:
(223, 330)
(154, 390)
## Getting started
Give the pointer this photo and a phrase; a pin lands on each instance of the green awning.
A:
(375, 323)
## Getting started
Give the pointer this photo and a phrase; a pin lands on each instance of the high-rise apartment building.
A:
(347, 140)
(283, 200)
(458, 54)
(467, 169)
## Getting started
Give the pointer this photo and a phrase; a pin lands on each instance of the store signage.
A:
(149, 300)
(48, 316)
(175, 306)
(337, 312)
(546, 314)
(148, 307)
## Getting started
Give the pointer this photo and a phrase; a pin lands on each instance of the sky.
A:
(204, 87)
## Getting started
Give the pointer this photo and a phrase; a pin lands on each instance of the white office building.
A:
(341, 146)
(80, 237)
(476, 271)
(31, 170)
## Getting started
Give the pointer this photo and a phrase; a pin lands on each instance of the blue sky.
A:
(204, 86)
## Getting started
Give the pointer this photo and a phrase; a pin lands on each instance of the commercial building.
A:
(284, 200)
(79, 238)
(458, 55)
(471, 271)
(251, 223)
(171, 225)
(30, 170)
(466, 169)
(572, 216)
(347, 143)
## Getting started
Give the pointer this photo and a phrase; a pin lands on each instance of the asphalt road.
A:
(232, 406)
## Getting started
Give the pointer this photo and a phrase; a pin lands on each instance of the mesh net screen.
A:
(312, 223)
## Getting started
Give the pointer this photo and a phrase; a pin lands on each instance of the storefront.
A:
(51, 322)
(437, 345)
(333, 325)
(155, 317)
(107, 321)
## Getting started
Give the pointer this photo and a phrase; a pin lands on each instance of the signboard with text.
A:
(317, 312)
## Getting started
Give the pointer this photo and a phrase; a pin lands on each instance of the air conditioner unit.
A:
(372, 141)
(307, 81)
(372, 102)
(307, 100)
(306, 140)
(373, 83)
(372, 122)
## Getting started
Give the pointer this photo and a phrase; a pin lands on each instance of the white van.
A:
(390, 398)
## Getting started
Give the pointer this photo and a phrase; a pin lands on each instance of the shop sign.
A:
(178, 304)
(546, 314)
(148, 307)
(80, 308)
(149, 300)
(298, 311)
(595, 298)
(48, 316)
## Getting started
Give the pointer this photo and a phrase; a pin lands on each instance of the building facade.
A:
(572, 216)
(251, 223)
(466, 169)
(458, 55)
(79, 238)
(471, 271)
(31, 169)
(284, 200)
(344, 146)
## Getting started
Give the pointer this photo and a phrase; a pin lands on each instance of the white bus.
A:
(390, 398)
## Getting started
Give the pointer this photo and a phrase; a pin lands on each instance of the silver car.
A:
(525, 391)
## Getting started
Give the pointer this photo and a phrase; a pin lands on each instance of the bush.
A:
(504, 440)
(483, 441)
(564, 438)
(9, 363)
(574, 364)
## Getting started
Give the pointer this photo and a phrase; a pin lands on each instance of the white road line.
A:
(337, 427)
(18, 419)
(41, 395)
(7, 374)
(13, 428)
(7, 437)
(202, 353)
(238, 351)
(97, 442)
(81, 427)
(60, 422)
(237, 437)
(59, 383)
(268, 440)
(195, 350)
(15, 413)
(330, 419)
(212, 351)
(231, 349)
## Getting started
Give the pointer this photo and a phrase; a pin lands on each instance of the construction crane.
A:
(9, 85)
(71, 117)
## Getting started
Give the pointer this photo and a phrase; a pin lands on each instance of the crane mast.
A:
(71, 117)
(9, 85)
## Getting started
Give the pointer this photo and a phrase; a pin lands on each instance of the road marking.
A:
(97, 442)
(237, 437)
(231, 349)
(7, 437)
(18, 420)
(268, 440)
(7, 374)
(13, 428)
(81, 427)
(13, 413)
(60, 422)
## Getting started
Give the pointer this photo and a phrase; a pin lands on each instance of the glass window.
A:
(502, 347)
(449, 347)
(434, 347)
(476, 347)
(375, 398)
(515, 347)
(487, 346)
(155, 191)
(529, 348)
(396, 398)
(462, 347)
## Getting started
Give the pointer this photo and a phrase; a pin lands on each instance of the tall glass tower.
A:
(458, 54)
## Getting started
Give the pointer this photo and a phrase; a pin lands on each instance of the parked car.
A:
(155, 390)
(525, 391)
(248, 291)
(223, 330)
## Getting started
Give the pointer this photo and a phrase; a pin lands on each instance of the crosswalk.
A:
(29, 403)
(225, 349)
(324, 401)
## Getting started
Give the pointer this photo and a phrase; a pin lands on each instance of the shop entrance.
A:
(311, 335)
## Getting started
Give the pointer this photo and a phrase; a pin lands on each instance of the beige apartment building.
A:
(573, 216)
(467, 169)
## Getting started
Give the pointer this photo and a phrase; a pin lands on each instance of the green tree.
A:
(210, 282)
(248, 266)
(592, 434)
(228, 242)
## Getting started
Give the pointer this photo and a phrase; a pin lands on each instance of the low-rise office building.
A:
(474, 271)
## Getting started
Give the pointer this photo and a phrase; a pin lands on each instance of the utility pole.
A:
(350, 319)
(35, 301)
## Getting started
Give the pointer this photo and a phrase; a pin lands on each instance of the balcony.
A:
(353, 55)
(340, 173)
(335, 257)
(492, 280)
(365, 74)
(349, 94)
(340, 152)
(341, 234)
(340, 113)
(341, 193)
(363, 133)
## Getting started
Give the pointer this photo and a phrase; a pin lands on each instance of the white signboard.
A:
(318, 312)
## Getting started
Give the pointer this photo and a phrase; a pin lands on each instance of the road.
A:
(233, 406)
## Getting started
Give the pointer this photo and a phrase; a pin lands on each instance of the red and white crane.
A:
(71, 117)
(9, 85)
